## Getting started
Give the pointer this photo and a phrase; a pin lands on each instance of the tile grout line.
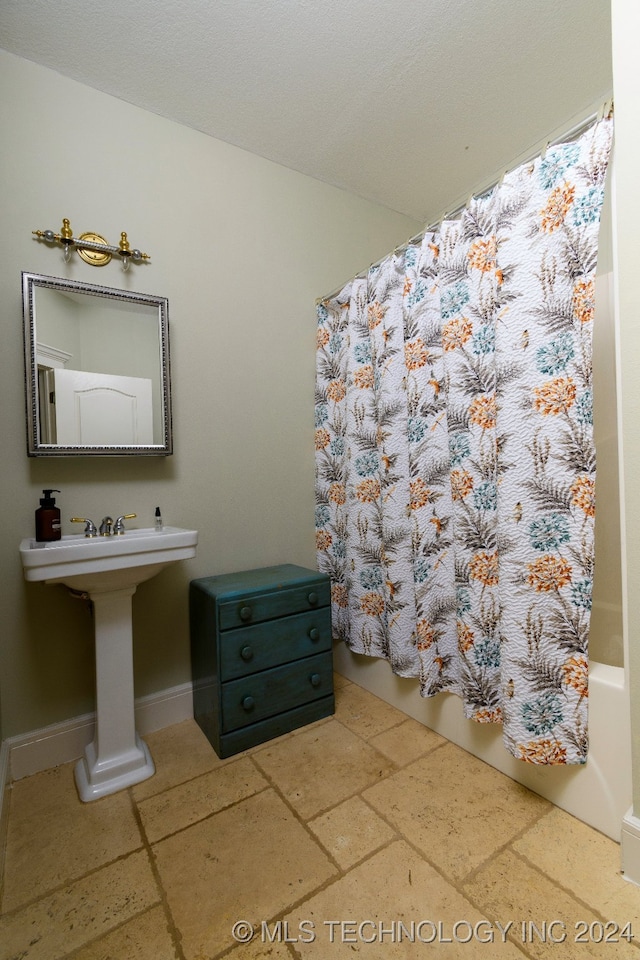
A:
(226, 761)
(176, 936)
(301, 901)
(342, 872)
(101, 936)
(549, 882)
(208, 816)
(59, 887)
(570, 893)
(273, 786)
(505, 846)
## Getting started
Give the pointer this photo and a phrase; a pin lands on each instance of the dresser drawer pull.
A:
(315, 679)
(313, 599)
(248, 703)
(247, 654)
(246, 613)
(314, 633)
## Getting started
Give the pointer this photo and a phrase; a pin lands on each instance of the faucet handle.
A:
(118, 527)
(90, 528)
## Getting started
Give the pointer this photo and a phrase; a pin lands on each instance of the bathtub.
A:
(598, 792)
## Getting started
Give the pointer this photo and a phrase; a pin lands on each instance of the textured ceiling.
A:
(411, 103)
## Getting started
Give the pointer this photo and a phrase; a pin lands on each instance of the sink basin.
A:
(106, 563)
(108, 570)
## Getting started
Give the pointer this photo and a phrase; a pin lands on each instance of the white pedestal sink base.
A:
(97, 778)
(108, 570)
(117, 757)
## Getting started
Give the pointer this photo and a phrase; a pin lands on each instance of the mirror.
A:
(97, 370)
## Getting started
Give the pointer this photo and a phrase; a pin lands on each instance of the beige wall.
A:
(626, 84)
(241, 247)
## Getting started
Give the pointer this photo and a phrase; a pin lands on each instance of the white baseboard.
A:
(59, 743)
(4, 782)
(630, 847)
(4, 807)
(4, 773)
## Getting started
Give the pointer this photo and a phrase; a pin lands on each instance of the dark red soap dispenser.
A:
(48, 518)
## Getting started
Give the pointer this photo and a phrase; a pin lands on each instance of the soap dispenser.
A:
(48, 518)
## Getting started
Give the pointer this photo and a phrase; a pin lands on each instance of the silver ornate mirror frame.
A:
(124, 333)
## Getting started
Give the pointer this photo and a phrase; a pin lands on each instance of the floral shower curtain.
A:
(455, 466)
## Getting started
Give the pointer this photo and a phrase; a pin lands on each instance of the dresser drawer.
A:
(245, 737)
(250, 649)
(257, 607)
(253, 698)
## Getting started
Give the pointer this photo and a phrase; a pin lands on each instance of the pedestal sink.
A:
(108, 570)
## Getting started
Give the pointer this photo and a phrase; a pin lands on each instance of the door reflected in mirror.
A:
(97, 370)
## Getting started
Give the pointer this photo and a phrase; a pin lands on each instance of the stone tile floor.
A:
(365, 833)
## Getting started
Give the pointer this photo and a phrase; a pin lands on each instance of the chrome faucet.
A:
(107, 528)
(118, 527)
(90, 527)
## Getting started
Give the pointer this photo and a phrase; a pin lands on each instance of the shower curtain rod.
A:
(567, 136)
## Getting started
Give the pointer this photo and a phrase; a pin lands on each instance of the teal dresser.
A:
(260, 654)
